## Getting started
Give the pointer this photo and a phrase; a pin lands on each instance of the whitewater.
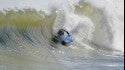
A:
(27, 26)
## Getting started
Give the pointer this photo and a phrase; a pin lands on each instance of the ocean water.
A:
(27, 26)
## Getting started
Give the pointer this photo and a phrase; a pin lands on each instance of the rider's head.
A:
(61, 32)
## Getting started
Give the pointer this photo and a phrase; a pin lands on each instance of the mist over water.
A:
(26, 28)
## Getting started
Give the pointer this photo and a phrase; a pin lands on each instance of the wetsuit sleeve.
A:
(67, 32)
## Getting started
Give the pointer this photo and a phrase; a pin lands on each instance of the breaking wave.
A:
(25, 33)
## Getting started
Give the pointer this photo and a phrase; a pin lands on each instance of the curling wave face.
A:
(25, 35)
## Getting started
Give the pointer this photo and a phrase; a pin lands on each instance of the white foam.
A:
(114, 10)
(44, 5)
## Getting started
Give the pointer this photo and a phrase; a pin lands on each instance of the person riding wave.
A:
(64, 37)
